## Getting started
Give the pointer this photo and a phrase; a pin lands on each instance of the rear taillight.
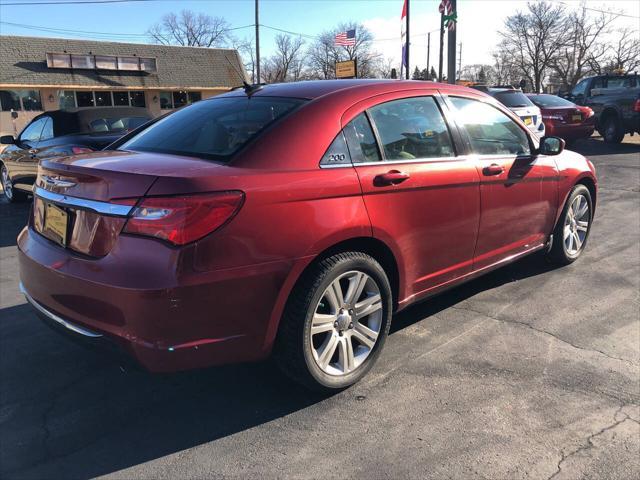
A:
(587, 112)
(78, 150)
(183, 219)
(636, 106)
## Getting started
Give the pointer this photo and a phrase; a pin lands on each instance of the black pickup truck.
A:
(615, 101)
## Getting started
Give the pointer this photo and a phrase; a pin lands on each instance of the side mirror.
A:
(551, 146)
(7, 140)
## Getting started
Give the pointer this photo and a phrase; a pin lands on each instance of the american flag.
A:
(346, 39)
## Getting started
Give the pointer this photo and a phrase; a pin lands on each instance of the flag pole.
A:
(441, 47)
(406, 73)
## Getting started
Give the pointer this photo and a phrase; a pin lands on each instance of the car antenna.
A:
(249, 88)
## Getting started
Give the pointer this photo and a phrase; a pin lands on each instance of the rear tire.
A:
(10, 193)
(335, 322)
(612, 131)
(572, 230)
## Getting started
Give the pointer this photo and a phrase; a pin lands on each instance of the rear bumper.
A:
(569, 132)
(137, 303)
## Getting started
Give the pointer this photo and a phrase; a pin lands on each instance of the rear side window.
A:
(116, 124)
(214, 129)
(412, 128)
(491, 132)
(337, 153)
(513, 99)
(361, 140)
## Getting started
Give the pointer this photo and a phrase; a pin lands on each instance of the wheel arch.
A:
(372, 246)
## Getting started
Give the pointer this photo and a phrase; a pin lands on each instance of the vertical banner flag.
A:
(403, 36)
(449, 17)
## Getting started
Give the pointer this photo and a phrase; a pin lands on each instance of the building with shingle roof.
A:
(39, 74)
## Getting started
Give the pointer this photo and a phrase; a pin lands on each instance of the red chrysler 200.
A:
(293, 220)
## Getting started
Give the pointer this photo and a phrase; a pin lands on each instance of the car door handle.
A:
(393, 177)
(493, 169)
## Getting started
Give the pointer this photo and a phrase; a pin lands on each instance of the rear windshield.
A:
(214, 129)
(513, 99)
(115, 124)
(550, 101)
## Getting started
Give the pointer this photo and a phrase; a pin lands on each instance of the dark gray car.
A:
(60, 133)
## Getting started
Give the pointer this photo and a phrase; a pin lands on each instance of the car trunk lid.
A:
(82, 202)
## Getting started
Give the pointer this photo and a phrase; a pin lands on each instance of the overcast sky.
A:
(479, 20)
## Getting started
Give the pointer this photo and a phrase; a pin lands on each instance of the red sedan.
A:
(294, 220)
(563, 118)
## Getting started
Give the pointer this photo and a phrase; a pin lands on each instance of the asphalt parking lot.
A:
(529, 372)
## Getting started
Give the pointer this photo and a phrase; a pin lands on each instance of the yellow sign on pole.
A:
(348, 69)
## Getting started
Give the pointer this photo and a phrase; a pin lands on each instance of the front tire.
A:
(8, 191)
(612, 130)
(335, 323)
(574, 225)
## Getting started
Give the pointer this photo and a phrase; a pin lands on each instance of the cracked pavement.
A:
(528, 372)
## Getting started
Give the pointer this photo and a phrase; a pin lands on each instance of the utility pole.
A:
(451, 48)
(408, 41)
(257, 79)
(428, 54)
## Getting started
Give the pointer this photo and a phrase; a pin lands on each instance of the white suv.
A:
(519, 103)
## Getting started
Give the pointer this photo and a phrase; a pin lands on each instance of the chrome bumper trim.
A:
(56, 318)
(105, 208)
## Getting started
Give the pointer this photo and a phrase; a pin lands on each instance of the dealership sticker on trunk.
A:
(55, 224)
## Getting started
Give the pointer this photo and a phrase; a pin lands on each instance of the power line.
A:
(598, 10)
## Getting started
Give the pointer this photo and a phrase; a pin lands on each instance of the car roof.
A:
(313, 89)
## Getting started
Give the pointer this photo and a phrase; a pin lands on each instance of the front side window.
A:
(412, 128)
(32, 132)
(215, 129)
(580, 88)
(491, 132)
(47, 130)
(361, 140)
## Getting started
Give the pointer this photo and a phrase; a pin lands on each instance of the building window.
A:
(148, 64)
(195, 97)
(137, 99)
(127, 63)
(83, 61)
(67, 99)
(103, 99)
(177, 99)
(85, 99)
(104, 62)
(28, 100)
(121, 99)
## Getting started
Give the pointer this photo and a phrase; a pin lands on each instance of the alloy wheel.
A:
(576, 225)
(346, 323)
(6, 183)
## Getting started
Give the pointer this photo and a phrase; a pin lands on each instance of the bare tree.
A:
(534, 39)
(323, 54)
(246, 49)
(286, 64)
(584, 47)
(624, 52)
(190, 29)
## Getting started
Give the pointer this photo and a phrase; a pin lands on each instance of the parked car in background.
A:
(518, 103)
(615, 101)
(294, 219)
(563, 118)
(61, 133)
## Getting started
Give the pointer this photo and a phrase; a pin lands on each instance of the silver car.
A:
(519, 103)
